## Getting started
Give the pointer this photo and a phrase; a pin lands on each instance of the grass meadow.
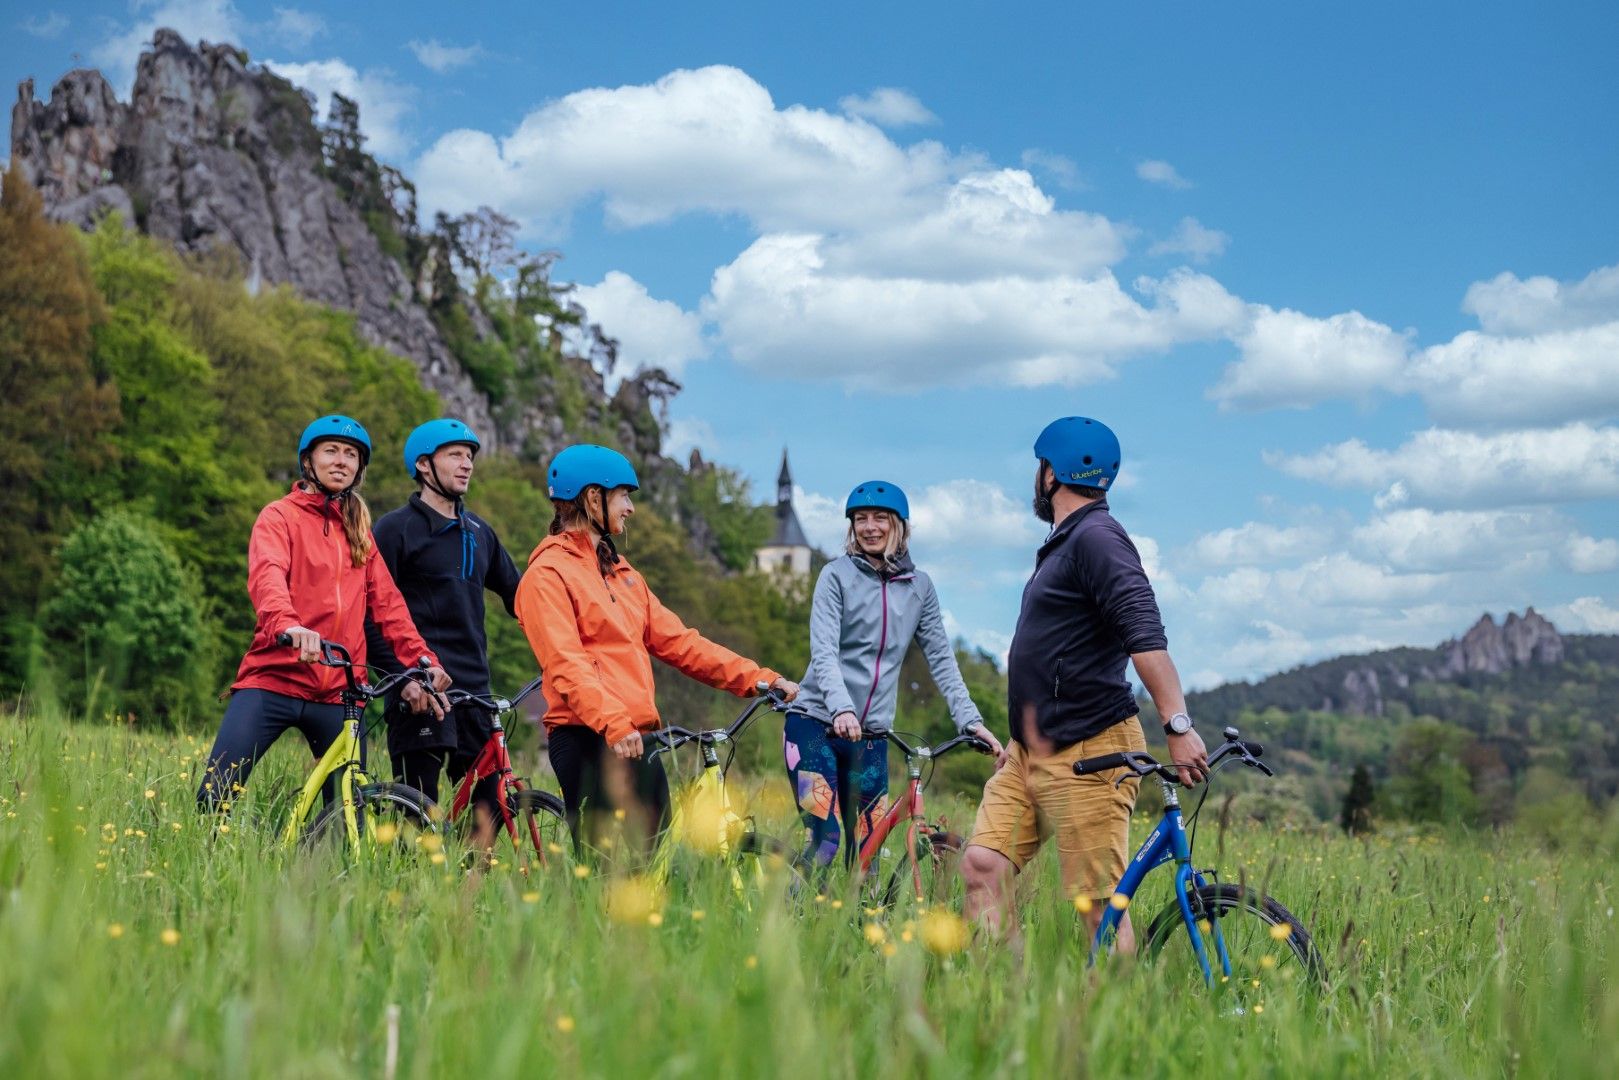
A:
(135, 940)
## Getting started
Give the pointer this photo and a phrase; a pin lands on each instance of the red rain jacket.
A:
(299, 573)
(594, 638)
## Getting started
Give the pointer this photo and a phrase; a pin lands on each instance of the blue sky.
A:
(1345, 281)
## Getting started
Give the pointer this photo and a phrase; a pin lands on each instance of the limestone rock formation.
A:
(1490, 649)
(211, 151)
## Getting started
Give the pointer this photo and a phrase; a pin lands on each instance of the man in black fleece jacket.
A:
(442, 557)
(1088, 611)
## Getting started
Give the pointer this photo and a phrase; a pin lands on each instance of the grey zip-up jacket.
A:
(861, 624)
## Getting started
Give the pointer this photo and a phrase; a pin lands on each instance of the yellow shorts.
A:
(1033, 798)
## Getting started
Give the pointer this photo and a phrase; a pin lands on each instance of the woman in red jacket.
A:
(312, 572)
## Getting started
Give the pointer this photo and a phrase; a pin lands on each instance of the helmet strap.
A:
(432, 481)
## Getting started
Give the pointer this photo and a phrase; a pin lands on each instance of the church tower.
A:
(788, 550)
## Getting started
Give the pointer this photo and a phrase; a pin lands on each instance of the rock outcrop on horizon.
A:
(211, 151)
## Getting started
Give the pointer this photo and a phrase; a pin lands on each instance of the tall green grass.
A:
(136, 941)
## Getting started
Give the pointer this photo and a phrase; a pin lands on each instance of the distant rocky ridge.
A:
(1364, 685)
(213, 152)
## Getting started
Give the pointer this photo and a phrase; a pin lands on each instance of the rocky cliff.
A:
(1365, 685)
(214, 152)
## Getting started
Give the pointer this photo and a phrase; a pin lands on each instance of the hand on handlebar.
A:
(306, 641)
(420, 700)
(629, 747)
(982, 732)
(786, 688)
(846, 725)
(1190, 757)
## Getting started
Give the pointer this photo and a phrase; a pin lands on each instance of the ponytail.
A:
(357, 524)
(570, 515)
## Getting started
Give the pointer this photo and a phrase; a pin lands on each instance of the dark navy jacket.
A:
(1086, 609)
(442, 567)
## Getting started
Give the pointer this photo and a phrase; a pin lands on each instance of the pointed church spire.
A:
(784, 483)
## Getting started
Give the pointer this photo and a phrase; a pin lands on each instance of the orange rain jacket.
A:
(594, 638)
(299, 573)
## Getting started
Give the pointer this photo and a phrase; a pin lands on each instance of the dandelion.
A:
(906, 936)
(115, 930)
(150, 794)
(837, 905)
(437, 858)
(697, 915)
(531, 898)
(1258, 1009)
(565, 1024)
(618, 814)
(1281, 932)
(875, 934)
(1267, 962)
(890, 949)
(395, 897)
(1205, 926)
(1486, 898)
(1119, 901)
(944, 933)
(655, 919)
(224, 827)
(387, 832)
(170, 936)
(1083, 905)
(581, 871)
(751, 962)
(553, 847)
(430, 842)
(175, 825)
(633, 901)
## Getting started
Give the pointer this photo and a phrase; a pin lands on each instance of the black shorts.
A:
(463, 731)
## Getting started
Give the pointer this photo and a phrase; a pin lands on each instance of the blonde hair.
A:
(899, 538)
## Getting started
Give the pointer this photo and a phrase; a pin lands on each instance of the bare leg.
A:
(1124, 940)
(988, 876)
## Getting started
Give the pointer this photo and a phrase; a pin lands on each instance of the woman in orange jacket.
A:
(594, 627)
(312, 572)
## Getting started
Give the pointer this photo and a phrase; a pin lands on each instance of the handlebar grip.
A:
(283, 638)
(1100, 764)
(1254, 749)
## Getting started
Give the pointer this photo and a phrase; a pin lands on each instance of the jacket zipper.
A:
(882, 641)
(1056, 682)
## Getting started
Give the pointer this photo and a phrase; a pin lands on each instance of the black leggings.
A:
(591, 775)
(254, 720)
(420, 769)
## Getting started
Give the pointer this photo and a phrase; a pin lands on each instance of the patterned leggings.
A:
(830, 774)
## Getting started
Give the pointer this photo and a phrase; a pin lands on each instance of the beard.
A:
(1042, 500)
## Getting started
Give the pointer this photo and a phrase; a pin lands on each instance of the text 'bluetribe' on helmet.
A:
(433, 436)
(878, 495)
(344, 429)
(1082, 452)
(578, 467)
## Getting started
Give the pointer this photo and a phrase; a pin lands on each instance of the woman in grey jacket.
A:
(869, 605)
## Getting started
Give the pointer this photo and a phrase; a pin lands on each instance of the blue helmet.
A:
(577, 467)
(343, 428)
(1082, 452)
(878, 495)
(432, 436)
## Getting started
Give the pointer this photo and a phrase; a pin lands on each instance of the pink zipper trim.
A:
(882, 641)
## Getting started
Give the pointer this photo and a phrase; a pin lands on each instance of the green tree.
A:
(126, 622)
(1356, 816)
(54, 406)
(1429, 780)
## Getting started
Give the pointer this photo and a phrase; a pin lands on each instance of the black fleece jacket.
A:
(442, 567)
(1086, 609)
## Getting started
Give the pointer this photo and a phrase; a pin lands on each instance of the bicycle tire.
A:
(540, 817)
(1249, 940)
(936, 852)
(412, 812)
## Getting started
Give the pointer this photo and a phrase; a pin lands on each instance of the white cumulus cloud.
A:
(1257, 543)
(1440, 467)
(1194, 240)
(1292, 360)
(1588, 614)
(439, 57)
(1162, 173)
(1512, 306)
(1591, 555)
(888, 106)
(214, 21)
(46, 27)
(650, 332)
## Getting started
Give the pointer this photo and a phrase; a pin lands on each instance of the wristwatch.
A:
(1179, 724)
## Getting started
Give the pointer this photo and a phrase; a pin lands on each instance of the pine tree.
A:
(1356, 817)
